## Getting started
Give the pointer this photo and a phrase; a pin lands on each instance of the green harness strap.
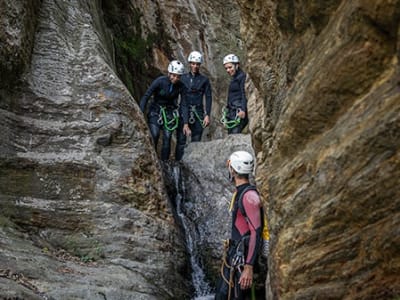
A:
(166, 122)
(193, 110)
(253, 292)
(228, 124)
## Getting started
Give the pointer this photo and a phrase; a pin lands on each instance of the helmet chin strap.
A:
(231, 176)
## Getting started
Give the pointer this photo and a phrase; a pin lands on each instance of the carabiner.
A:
(191, 118)
(160, 120)
(228, 124)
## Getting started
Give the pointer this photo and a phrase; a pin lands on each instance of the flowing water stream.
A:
(203, 291)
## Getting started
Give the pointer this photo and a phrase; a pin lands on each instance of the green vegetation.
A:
(86, 249)
(131, 53)
(133, 48)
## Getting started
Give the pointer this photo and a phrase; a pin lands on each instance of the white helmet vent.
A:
(196, 57)
(176, 67)
(242, 162)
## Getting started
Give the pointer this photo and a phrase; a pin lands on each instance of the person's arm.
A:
(147, 95)
(243, 93)
(251, 205)
(208, 95)
(246, 277)
(184, 110)
(183, 104)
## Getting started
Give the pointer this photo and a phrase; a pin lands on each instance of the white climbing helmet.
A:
(242, 162)
(196, 57)
(231, 58)
(176, 67)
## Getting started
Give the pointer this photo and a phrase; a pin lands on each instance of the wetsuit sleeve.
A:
(208, 94)
(147, 95)
(251, 204)
(243, 92)
(183, 104)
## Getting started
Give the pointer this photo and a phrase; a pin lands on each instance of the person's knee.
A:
(181, 139)
(197, 132)
(196, 138)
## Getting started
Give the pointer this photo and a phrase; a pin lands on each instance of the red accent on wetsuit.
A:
(251, 203)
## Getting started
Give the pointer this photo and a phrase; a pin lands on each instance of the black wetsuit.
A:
(245, 238)
(237, 100)
(197, 86)
(165, 96)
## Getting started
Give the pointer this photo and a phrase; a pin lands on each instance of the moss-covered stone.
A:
(133, 49)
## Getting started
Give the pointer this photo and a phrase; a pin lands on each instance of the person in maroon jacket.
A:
(246, 237)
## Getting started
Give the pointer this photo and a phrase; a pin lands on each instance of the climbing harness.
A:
(224, 264)
(236, 264)
(233, 260)
(163, 119)
(231, 266)
(193, 115)
(228, 124)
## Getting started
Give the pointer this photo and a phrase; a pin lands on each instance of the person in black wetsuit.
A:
(163, 112)
(243, 248)
(235, 116)
(198, 89)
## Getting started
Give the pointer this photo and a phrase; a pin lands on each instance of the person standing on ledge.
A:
(235, 117)
(163, 112)
(248, 233)
(198, 87)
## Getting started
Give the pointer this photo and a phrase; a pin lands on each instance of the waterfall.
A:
(201, 287)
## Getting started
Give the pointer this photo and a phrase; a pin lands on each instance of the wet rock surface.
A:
(208, 192)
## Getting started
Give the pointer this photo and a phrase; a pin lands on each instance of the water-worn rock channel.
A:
(84, 211)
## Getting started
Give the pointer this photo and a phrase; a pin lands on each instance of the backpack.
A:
(265, 232)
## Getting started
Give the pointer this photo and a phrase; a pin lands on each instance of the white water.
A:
(202, 288)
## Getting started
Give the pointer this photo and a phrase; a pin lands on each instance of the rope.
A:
(194, 112)
(229, 282)
(228, 124)
(165, 121)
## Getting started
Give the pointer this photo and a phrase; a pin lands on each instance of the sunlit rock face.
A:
(83, 210)
(327, 140)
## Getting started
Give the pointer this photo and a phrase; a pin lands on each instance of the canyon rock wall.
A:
(326, 133)
(84, 209)
(84, 213)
